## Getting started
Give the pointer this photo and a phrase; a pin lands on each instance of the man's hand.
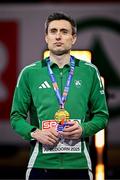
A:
(47, 137)
(72, 131)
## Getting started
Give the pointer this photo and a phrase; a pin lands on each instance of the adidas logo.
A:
(45, 84)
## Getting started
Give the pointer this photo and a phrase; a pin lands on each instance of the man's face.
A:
(59, 37)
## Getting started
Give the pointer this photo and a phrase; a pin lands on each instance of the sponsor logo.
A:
(44, 85)
(48, 124)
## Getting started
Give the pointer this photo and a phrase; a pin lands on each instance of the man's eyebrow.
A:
(53, 28)
(63, 29)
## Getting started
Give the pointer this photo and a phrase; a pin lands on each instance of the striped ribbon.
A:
(61, 99)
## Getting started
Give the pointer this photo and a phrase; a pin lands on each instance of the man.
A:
(66, 102)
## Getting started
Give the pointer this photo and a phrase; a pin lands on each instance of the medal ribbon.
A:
(61, 99)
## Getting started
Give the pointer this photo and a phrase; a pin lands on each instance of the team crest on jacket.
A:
(78, 83)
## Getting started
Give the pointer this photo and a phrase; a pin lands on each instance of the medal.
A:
(62, 116)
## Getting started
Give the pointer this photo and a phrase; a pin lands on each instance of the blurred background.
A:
(22, 42)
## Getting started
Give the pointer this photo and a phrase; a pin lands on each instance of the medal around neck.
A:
(62, 117)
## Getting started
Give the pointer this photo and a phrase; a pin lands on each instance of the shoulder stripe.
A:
(22, 73)
(93, 66)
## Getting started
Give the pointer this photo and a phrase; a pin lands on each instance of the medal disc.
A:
(62, 116)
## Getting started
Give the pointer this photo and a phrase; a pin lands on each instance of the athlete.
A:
(66, 102)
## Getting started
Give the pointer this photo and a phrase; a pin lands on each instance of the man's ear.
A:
(46, 38)
(74, 39)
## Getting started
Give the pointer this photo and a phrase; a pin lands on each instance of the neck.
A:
(60, 60)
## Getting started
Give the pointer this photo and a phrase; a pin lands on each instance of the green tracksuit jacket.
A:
(86, 101)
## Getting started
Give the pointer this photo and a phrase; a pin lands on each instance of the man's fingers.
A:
(65, 133)
(73, 125)
(53, 137)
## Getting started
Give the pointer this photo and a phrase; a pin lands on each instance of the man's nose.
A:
(58, 35)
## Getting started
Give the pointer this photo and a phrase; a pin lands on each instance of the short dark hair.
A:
(60, 16)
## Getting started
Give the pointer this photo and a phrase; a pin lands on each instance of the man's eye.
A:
(53, 31)
(65, 32)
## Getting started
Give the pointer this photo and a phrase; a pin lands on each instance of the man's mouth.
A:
(58, 44)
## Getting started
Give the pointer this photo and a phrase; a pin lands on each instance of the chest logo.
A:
(78, 83)
(44, 85)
